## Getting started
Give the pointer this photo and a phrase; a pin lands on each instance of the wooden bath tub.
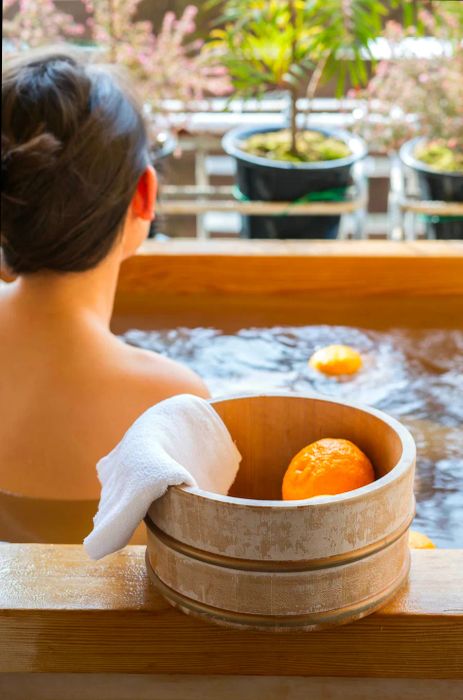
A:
(231, 285)
(64, 617)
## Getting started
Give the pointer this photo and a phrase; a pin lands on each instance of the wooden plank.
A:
(371, 268)
(188, 207)
(61, 612)
(309, 249)
(431, 207)
(231, 284)
(97, 686)
(233, 312)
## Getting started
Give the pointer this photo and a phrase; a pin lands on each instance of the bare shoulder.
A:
(160, 377)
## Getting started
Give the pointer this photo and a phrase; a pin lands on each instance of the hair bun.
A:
(74, 148)
(33, 156)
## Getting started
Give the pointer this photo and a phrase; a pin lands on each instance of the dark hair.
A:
(74, 146)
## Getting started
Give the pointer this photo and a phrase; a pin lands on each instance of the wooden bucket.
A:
(251, 560)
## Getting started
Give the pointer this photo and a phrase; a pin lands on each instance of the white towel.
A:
(181, 440)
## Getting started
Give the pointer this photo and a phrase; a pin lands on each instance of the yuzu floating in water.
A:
(326, 467)
(416, 540)
(336, 360)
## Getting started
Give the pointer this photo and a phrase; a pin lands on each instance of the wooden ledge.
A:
(287, 267)
(62, 613)
(234, 284)
(231, 284)
(302, 248)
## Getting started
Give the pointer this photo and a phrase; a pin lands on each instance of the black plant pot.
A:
(436, 185)
(272, 181)
(159, 159)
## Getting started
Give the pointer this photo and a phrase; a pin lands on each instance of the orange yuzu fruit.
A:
(326, 467)
(336, 360)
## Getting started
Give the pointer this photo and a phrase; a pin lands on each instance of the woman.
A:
(78, 196)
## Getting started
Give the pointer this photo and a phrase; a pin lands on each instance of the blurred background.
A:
(346, 116)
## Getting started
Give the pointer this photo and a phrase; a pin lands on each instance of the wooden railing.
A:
(61, 613)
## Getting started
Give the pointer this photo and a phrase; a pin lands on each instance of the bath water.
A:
(415, 376)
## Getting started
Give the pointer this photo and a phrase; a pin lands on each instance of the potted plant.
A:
(295, 45)
(414, 106)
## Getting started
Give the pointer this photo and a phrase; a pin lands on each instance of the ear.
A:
(144, 199)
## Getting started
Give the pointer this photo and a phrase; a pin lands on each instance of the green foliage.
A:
(277, 44)
(346, 32)
(265, 44)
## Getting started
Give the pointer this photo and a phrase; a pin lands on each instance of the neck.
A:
(84, 296)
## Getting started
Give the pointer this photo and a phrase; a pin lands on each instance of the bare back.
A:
(68, 392)
(78, 198)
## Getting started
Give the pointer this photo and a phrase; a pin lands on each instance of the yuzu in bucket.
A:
(326, 467)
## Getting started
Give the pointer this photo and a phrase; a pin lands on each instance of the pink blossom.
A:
(409, 96)
(36, 23)
(169, 64)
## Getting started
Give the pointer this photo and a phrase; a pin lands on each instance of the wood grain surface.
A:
(256, 267)
(61, 612)
(104, 686)
(231, 284)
